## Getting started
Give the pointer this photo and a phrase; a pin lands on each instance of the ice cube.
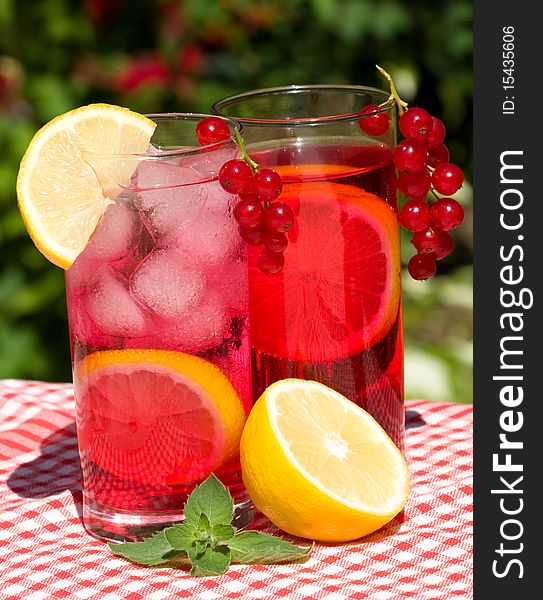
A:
(210, 163)
(229, 280)
(82, 274)
(168, 195)
(219, 200)
(204, 327)
(112, 309)
(117, 230)
(213, 236)
(168, 283)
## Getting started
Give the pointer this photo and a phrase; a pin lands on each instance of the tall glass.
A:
(157, 307)
(333, 313)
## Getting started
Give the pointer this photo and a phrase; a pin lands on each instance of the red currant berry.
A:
(433, 241)
(447, 178)
(447, 213)
(410, 155)
(376, 122)
(415, 215)
(248, 193)
(253, 236)
(267, 184)
(438, 155)
(211, 130)
(436, 135)
(249, 213)
(270, 262)
(421, 266)
(279, 217)
(415, 184)
(416, 123)
(235, 175)
(275, 241)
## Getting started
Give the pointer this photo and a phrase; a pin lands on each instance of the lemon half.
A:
(318, 466)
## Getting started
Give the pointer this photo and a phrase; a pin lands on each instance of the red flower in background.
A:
(191, 59)
(173, 21)
(11, 81)
(4, 86)
(151, 70)
(185, 88)
(261, 16)
(101, 10)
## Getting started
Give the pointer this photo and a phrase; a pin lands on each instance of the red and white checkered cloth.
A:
(425, 553)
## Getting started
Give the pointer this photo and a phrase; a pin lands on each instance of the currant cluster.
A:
(423, 161)
(262, 221)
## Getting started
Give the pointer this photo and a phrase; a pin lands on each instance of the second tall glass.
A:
(333, 313)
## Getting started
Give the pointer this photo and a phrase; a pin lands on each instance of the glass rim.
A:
(294, 89)
(162, 154)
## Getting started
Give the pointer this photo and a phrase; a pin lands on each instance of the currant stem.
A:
(241, 144)
(401, 104)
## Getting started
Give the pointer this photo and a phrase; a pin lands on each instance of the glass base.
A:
(113, 525)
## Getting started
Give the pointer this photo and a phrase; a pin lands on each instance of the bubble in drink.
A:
(165, 197)
(168, 283)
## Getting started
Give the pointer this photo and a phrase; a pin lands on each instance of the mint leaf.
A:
(205, 546)
(212, 561)
(211, 499)
(185, 535)
(208, 538)
(182, 536)
(152, 551)
(254, 547)
(222, 533)
(197, 549)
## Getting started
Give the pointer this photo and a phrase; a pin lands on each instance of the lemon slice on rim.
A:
(319, 466)
(59, 195)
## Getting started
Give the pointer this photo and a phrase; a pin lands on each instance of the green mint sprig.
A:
(208, 539)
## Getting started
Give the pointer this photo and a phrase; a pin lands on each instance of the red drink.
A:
(333, 313)
(158, 314)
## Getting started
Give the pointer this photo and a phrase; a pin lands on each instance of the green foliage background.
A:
(185, 54)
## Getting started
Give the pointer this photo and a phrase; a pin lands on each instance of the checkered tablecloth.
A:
(45, 553)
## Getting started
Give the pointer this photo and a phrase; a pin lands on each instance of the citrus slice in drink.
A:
(60, 197)
(157, 417)
(318, 466)
(339, 291)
